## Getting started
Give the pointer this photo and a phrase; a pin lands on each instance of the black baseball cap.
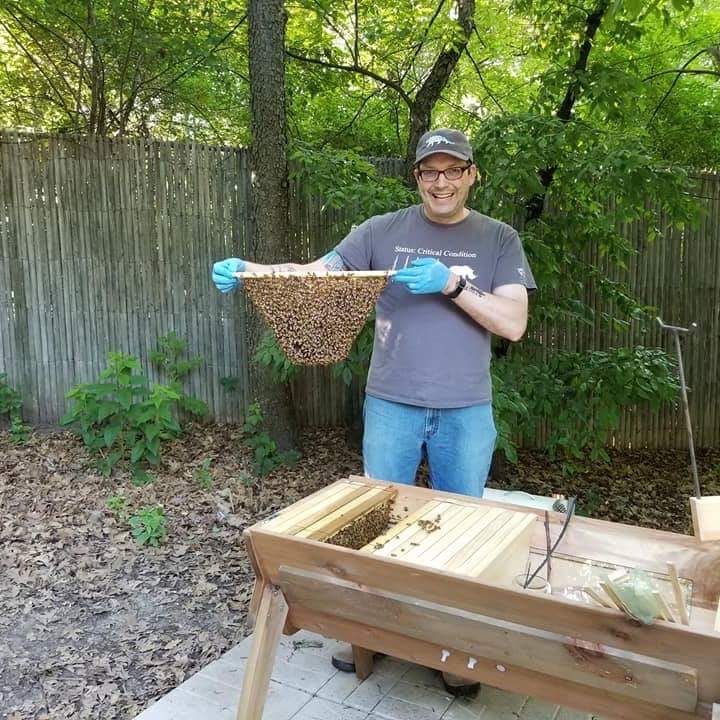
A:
(444, 140)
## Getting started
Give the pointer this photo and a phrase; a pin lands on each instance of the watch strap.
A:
(460, 287)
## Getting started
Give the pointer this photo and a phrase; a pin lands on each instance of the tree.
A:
(268, 160)
(416, 81)
(126, 67)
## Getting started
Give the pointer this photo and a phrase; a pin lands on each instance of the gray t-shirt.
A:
(427, 351)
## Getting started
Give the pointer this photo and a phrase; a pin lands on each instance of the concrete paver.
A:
(339, 687)
(391, 708)
(321, 709)
(370, 692)
(427, 697)
(305, 686)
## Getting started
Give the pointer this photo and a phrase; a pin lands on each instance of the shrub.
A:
(265, 452)
(10, 401)
(579, 396)
(148, 526)
(203, 476)
(169, 358)
(11, 405)
(270, 355)
(122, 418)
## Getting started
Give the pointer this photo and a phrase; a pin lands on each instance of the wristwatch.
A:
(460, 287)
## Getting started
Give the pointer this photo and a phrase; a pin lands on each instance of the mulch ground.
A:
(94, 626)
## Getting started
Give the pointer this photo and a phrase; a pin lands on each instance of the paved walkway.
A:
(305, 686)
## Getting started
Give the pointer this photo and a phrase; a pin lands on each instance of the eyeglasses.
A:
(451, 173)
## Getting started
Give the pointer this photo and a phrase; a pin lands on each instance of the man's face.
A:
(443, 199)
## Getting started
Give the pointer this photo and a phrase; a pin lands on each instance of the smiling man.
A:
(461, 277)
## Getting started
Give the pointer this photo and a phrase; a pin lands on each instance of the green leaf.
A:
(110, 434)
(137, 452)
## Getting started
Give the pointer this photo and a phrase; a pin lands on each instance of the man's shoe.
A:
(460, 687)
(343, 660)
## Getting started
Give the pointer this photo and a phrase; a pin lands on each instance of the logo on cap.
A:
(436, 140)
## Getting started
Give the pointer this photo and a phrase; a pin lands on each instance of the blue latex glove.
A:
(222, 274)
(425, 275)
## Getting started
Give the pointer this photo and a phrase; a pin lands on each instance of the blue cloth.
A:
(459, 443)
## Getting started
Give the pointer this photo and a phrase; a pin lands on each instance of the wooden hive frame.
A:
(581, 655)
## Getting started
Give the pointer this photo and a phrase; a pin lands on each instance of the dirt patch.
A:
(641, 487)
(93, 626)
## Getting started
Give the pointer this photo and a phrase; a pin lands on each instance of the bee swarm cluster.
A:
(363, 530)
(315, 318)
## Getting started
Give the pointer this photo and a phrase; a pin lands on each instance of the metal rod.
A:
(568, 516)
(683, 390)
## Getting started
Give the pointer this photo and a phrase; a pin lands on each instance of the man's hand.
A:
(425, 275)
(222, 274)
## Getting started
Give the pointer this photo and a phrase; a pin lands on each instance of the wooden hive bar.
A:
(347, 513)
(314, 507)
(468, 539)
(350, 511)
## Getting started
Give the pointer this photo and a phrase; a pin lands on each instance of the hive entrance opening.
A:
(315, 317)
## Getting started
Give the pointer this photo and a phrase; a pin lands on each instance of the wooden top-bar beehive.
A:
(430, 577)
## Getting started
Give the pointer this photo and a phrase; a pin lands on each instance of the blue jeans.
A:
(459, 443)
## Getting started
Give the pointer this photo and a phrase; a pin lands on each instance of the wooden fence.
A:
(105, 245)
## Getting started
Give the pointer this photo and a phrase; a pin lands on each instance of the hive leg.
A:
(271, 615)
(363, 660)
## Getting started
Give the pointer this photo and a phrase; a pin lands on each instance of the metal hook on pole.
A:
(676, 331)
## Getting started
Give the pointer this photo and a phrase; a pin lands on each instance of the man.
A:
(461, 276)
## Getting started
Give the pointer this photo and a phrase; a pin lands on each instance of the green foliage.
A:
(202, 476)
(265, 451)
(141, 476)
(11, 405)
(247, 479)
(122, 418)
(578, 396)
(118, 505)
(509, 411)
(148, 526)
(10, 401)
(118, 67)
(270, 355)
(357, 363)
(169, 358)
(344, 179)
(230, 384)
(589, 166)
(19, 432)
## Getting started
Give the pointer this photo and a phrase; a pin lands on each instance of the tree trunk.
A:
(535, 206)
(268, 159)
(428, 95)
